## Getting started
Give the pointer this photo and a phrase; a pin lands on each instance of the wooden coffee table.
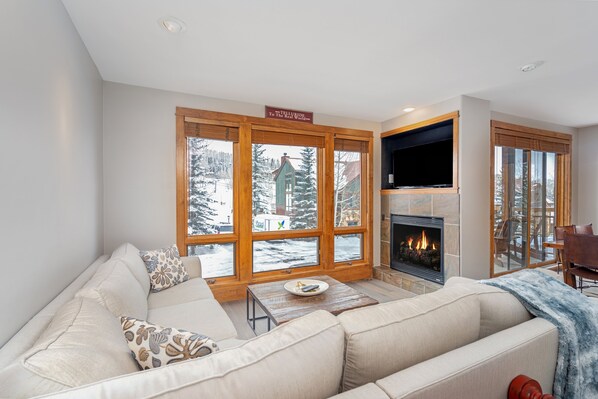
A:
(281, 306)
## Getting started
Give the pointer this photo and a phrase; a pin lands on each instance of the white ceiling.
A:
(356, 58)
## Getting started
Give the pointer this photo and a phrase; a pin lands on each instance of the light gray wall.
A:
(139, 160)
(474, 183)
(50, 158)
(587, 176)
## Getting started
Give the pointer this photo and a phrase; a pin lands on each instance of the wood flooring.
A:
(379, 290)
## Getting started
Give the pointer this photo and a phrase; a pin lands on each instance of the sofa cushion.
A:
(273, 365)
(367, 391)
(130, 255)
(83, 343)
(165, 267)
(191, 290)
(498, 308)
(114, 287)
(389, 337)
(482, 369)
(205, 316)
(154, 346)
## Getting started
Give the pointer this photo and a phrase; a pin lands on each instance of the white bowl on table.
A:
(291, 286)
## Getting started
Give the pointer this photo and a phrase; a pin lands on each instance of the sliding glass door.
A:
(524, 207)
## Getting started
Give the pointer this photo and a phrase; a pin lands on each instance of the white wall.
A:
(587, 204)
(140, 155)
(474, 183)
(50, 158)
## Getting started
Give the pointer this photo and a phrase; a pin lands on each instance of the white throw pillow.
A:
(165, 267)
(155, 346)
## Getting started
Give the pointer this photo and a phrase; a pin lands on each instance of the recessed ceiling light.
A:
(172, 25)
(531, 67)
(408, 109)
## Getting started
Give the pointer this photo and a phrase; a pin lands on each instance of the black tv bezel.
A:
(439, 185)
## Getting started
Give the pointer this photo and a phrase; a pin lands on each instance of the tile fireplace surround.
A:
(439, 205)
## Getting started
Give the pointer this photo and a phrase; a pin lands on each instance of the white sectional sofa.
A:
(465, 340)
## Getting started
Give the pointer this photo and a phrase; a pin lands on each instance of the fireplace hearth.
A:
(416, 246)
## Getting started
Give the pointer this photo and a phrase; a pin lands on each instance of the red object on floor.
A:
(523, 387)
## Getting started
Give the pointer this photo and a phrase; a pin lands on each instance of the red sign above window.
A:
(289, 114)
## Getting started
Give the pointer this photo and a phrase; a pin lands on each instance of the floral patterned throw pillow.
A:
(154, 346)
(165, 267)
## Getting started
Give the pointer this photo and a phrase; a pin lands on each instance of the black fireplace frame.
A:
(418, 221)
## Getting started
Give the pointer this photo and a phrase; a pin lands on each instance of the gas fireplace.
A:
(417, 246)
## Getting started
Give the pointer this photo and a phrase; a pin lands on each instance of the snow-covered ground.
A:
(218, 259)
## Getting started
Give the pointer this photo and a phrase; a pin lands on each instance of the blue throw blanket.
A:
(576, 317)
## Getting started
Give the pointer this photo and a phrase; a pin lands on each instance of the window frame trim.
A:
(233, 287)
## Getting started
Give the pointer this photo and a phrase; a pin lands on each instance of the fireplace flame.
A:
(409, 241)
(423, 242)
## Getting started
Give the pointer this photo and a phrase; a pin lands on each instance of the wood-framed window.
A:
(531, 194)
(261, 199)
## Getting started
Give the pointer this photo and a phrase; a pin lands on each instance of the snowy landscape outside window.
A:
(347, 188)
(210, 186)
(284, 187)
(210, 190)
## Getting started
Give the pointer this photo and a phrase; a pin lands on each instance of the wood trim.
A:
(327, 256)
(403, 191)
(181, 185)
(286, 130)
(525, 131)
(369, 194)
(492, 185)
(211, 239)
(456, 150)
(427, 122)
(235, 118)
(285, 234)
(233, 287)
(211, 122)
(245, 204)
(347, 137)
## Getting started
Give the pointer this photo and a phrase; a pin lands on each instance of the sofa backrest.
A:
(386, 338)
(23, 340)
(114, 287)
(129, 254)
(300, 359)
(84, 343)
(499, 309)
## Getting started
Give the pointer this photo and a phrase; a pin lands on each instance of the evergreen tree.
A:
(305, 195)
(201, 208)
(340, 183)
(261, 181)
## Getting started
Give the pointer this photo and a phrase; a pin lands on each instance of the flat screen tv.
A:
(427, 165)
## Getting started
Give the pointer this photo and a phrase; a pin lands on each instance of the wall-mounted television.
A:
(426, 165)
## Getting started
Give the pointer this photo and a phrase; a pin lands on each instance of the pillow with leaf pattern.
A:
(165, 267)
(154, 346)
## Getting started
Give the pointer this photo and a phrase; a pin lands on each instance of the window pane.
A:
(543, 210)
(510, 208)
(284, 254)
(284, 187)
(348, 247)
(217, 260)
(210, 172)
(347, 188)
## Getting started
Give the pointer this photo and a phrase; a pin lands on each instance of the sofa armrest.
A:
(483, 369)
(193, 265)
